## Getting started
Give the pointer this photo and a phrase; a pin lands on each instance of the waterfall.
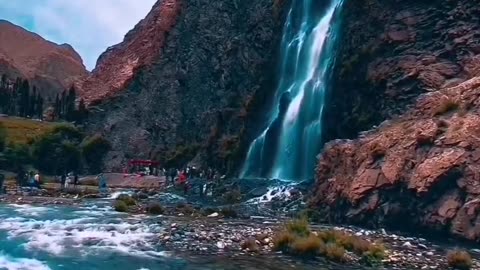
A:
(288, 147)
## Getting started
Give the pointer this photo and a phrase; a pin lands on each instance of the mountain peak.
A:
(141, 45)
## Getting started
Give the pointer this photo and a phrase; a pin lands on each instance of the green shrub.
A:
(155, 209)
(128, 200)
(15, 156)
(459, 259)
(120, 206)
(3, 137)
(57, 151)
(94, 150)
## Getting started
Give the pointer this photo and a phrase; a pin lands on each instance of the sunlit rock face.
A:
(117, 66)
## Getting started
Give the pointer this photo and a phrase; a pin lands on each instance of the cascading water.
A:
(287, 148)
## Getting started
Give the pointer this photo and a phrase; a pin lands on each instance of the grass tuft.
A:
(299, 227)
(335, 252)
(297, 239)
(308, 246)
(446, 105)
(459, 259)
(282, 240)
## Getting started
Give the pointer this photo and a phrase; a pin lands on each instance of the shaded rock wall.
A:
(392, 51)
(197, 98)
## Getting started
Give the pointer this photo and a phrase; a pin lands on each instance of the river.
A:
(93, 236)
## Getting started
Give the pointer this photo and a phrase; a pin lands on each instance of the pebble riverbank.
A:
(205, 233)
(222, 236)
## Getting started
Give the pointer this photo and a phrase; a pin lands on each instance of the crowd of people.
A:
(29, 179)
(66, 180)
(191, 178)
(188, 179)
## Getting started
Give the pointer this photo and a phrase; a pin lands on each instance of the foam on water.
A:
(11, 263)
(275, 192)
(30, 210)
(96, 211)
(99, 229)
(116, 194)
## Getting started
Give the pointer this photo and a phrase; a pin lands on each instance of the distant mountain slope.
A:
(49, 66)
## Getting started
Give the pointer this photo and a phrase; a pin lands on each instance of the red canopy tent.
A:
(145, 163)
(135, 164)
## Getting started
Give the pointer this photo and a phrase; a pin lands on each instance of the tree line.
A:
(62, 150)
(18, 98)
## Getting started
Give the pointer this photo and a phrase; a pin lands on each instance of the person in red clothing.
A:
(182, 181)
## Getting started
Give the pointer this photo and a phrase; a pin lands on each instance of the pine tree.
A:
(32, 103)
(3, 84)
(82, 112)
(14, 105)
(70, 106)
(63, 103)
(39, 107)
(57, 108)
(3, 95)
(23, 99)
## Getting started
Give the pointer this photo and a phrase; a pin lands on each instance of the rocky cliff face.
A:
(391, 52)
(51, 67)
(416, 62)
(117, 66)
(208, 65)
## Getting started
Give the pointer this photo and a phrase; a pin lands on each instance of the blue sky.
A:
(90, 26)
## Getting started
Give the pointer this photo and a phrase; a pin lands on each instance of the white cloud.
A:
(90, 26)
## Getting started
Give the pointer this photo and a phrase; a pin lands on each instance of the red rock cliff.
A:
(416, 63)
(421, 169)
(50, 66)
(116, 67)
